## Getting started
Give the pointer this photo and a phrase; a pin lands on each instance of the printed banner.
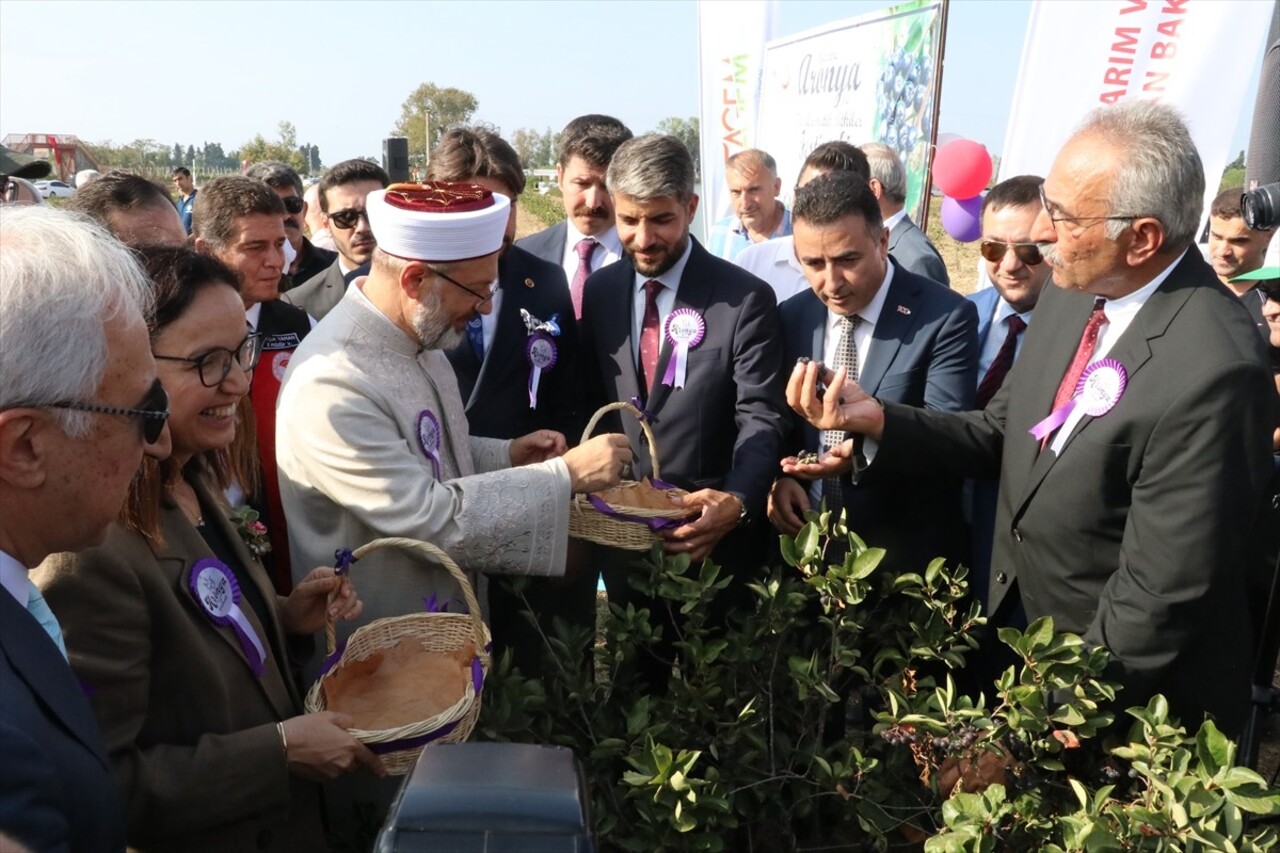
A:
(865, 79)
(731, 39)
(1195, 55)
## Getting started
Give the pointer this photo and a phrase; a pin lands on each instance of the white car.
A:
(57, 189)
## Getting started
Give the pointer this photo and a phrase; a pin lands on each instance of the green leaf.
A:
(1213, 750)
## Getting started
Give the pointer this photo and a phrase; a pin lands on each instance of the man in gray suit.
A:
(587, 240)
(343, 190)
(910, 246)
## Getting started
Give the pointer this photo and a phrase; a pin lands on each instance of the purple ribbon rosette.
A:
(540, 349)
(685, 330)
(1100, 387)
(429, 438)
(213, 585)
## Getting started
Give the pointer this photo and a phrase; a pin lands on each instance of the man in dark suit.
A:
(716, 409)
(587, 240)
(494, 365)
(71, 439)
(342, 194)
(906, 338)
(1127, 494)
(910, 246)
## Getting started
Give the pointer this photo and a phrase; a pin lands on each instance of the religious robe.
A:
(354, 466)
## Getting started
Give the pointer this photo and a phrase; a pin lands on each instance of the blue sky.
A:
(192, 72)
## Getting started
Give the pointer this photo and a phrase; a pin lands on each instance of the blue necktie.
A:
(475, 334)
(38, 608)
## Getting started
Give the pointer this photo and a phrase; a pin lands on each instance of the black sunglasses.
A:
(214, 365)
(348, 218)
(994, 251)
(1270, 289)
(153, 413)
(292, 204)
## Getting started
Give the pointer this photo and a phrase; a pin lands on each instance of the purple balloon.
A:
(962, 218)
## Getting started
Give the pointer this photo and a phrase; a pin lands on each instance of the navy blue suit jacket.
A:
(924, 353)
(56, 789)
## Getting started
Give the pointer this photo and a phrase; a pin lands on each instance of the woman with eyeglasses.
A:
(173, 626)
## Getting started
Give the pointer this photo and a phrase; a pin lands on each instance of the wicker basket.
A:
(438, 632)
(633, 533)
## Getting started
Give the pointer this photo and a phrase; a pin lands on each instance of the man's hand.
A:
(536, 447)
(720, 513)
(598, 462)
(831, 463)
(788, 502)
(303, 612)
(844, 406)
(319, 747)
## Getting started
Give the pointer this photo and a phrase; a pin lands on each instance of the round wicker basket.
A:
(632, 533)
(437, 632)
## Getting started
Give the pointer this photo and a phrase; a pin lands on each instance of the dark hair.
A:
(1226, 204)
(838, 156)
(1019, 191)
(478, 151)
(178, 275)
(834, 196)
(276, 175)
(224, 200)
(348, 172)
(594, 137)
(181, 170)
(117, 192)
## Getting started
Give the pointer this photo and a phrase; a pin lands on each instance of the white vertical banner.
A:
(1195, 55)
(731, 37)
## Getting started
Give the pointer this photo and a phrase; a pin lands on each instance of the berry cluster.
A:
(900, 99)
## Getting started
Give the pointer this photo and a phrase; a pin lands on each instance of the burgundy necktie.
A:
(1000, 365)
(585, 248)
(1088, 341)
(650, 342)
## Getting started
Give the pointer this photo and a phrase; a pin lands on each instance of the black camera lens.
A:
(1260, 207)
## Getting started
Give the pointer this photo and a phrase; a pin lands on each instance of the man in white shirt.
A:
(1132, 438)
(587, 240)
(80, 404)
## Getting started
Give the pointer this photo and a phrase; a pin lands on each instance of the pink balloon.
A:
(962, 218)
(962, 168)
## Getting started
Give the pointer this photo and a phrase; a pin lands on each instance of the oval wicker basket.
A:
(437, 632)
(631, 534)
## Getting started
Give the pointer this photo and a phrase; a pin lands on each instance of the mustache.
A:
(583, 210)
(1049, 251)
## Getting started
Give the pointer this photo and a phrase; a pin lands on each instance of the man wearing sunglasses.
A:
(343, 191)
(80, 405)
(310, 260)
(1235, 250)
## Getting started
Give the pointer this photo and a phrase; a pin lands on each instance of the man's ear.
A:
(413, 278)
(1148, 239)
(23, 447)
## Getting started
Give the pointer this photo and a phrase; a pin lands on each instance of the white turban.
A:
(438, 221)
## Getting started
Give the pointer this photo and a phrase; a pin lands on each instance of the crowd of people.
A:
(201, 401)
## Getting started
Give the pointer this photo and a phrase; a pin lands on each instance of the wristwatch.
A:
(743, 518)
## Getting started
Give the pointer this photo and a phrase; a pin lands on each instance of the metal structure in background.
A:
(64, 150)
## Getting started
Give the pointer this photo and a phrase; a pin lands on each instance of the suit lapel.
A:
(893, 326)
(37, 661)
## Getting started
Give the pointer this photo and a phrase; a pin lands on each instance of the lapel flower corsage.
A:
(252, 531)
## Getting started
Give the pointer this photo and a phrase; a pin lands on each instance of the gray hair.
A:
(276, 175)
(63, 277)
(1159, 173)
(651, 166)
(886, 167)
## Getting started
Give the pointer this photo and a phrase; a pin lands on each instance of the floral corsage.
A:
(252, 531)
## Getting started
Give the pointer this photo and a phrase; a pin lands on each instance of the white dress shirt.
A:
(774, 261)
(863, 332)
(891, 222)
(666, 299)
(610, 250)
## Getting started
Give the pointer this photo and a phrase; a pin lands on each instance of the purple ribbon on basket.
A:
(654, 524)
(343, 560)
(477, 682)
(645, 417)
(332, 660)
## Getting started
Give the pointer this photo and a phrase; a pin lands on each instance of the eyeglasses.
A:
(215, 365)
(493, 287)
(1056, 217)
(348, 218)
(292, 204)
(153, 412)
(1270, 289)
(995, 250)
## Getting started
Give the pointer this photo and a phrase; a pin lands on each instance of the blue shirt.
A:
(184, 209)
(729, 236)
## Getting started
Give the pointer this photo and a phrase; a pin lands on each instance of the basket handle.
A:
(644, 425)
(430, 552)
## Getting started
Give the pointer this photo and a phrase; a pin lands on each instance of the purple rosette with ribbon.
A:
(685, 329)
(541, 352)
(1100, 387)
(429, 437)
(213, 586)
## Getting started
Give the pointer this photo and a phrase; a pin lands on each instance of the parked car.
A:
(56, 189)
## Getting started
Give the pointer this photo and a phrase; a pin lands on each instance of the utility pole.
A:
(426, 142)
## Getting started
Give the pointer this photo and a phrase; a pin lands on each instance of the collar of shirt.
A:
(870, 315)
(1004, 311)
(1120, 312)
(783, 229)
(891, 222)
(14, 578)
(665, 300)
(489, 322)
(343, 267)
(608, 241)
(252, 315)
